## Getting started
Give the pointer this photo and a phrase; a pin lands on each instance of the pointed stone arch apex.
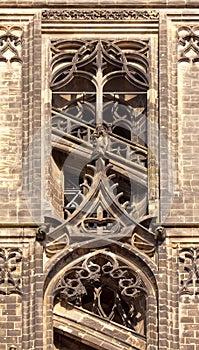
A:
(100, 212)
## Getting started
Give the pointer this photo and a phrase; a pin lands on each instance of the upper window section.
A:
(101, 82)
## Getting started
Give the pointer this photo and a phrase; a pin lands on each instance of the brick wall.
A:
(24, 107)
(10, 141)
(11, 321)
(188, 140)
(56, 187)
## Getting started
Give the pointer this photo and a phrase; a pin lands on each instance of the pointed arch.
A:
(78, 321)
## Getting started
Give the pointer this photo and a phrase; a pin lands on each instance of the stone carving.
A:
(188, 39)
(41, 233)
(79, 115)
(189, 272)
(99, 101)
(71, 59)
(100, 210)
(10, 44)
(104, 15)
(10, 259)
(106, 287)
(100, 141)
(147, 244)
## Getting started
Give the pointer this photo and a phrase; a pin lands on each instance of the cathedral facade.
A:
(99, 205)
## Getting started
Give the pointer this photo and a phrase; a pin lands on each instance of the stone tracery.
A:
(99, 102)
(10, 44)
(106, 287)
(188, 39)
(10, 272)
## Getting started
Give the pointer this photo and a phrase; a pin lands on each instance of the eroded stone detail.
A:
(106, 287)
(10, 44)
(10, 281)
(188, 40)
(189, 271)
(94, 15)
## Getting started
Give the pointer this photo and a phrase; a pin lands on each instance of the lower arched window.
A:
(101, 301)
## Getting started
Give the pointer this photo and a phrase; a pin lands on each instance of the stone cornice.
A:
(99, 4)
(100, 14)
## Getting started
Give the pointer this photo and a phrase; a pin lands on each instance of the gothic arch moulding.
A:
(101, 298)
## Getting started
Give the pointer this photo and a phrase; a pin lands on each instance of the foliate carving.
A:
(96, 15)
(189, 271)
(10, 270)
(10, 44)
(188, 39)
(106, 287)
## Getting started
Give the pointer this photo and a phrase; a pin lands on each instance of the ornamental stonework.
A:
(10, 271)
(10, 44)
(104, 15)
(107, 288)
(188, 41)
(189, 271)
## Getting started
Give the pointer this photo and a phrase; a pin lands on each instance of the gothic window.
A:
(108, 288)
(99, 109)
(99, 104)
(101, 300)
(99, 136)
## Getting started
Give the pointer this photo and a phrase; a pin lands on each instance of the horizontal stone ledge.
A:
(100, 4)
(19, 225)
(179, 224)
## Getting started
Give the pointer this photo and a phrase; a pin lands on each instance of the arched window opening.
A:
(99, 108)
(107, 288)
(100, 82)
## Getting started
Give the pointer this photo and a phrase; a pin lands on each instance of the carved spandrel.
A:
(10, 44)
(10, 271)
